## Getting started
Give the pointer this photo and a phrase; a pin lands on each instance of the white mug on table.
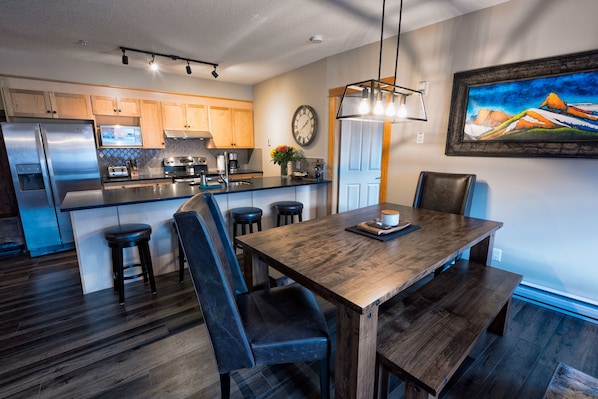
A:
(390, 217)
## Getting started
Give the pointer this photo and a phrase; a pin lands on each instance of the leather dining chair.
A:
(445, 192)
(264, 327)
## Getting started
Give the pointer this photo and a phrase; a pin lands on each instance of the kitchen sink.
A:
(239, 183)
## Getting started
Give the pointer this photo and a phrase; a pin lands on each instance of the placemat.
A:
(384, 237)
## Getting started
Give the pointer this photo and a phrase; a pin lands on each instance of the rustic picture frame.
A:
(459, 143)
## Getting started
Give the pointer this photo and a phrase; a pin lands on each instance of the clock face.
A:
(304, 125)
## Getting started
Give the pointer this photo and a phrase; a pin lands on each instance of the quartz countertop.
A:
(89, 199)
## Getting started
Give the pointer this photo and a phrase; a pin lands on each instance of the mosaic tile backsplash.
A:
(149, 161)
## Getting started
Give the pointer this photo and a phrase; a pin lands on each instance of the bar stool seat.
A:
(288, 209)
(245, 216)
(125, 236)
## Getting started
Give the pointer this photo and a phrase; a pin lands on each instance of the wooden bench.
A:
(424, 338)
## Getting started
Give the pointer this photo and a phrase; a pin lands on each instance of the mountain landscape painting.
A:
(562, 108)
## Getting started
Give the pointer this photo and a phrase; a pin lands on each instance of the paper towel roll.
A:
(221, 163)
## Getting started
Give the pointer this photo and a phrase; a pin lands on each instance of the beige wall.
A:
(547, 205)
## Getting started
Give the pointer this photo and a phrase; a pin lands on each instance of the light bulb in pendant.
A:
(379, 107)
(364, 105)
(390, 110)
(402, 111)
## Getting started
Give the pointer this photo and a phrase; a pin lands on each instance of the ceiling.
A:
(251, 40)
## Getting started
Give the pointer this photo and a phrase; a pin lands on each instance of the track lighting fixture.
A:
(154, 65)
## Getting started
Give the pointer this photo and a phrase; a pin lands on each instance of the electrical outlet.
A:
(420, 138)
(497, 254)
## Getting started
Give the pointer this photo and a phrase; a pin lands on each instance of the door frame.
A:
(334, 133)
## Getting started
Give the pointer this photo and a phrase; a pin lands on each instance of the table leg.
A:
(254, 271)
(356, 338)
(482, 251)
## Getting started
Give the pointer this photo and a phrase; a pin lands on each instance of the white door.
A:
(360, 164)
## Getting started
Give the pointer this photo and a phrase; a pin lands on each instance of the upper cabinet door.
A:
(221, 122)
(197, 117)
(114, 106)
(243, 128)
(71, 106)
(45, 104)
(173, 116)
(27, 103)
(151, 124)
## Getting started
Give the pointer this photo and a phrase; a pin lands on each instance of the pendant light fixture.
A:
(377, 101)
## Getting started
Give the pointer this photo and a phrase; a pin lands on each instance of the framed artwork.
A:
(541, 108)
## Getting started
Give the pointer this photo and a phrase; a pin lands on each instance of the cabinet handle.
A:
(119, 110)
(115, 110)
(53, 112)
(49, 111)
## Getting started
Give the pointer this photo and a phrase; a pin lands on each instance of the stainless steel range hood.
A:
(187, 134)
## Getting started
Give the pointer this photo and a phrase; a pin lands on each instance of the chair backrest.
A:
(217, 279)
(445, 192)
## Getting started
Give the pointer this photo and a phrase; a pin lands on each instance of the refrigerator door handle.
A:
(42, 162)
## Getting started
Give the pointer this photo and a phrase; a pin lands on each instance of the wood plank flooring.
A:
(57, 343)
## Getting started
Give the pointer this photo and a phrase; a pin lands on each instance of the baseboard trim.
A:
(572, 307)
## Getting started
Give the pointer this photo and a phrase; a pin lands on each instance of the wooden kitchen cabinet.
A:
(231, 127)
(152, 130)
(181, 116)
(115, 106)
(46, 104)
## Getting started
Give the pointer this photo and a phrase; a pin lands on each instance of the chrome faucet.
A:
(224, 177)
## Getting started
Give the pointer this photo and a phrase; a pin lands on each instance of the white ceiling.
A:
(251, 40)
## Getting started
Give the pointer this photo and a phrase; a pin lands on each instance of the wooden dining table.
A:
(357, 273)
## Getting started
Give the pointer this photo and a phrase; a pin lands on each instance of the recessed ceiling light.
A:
(316, 39)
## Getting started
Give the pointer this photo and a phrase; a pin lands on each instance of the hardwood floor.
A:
(57, 343)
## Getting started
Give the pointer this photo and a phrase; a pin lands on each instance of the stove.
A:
(184, 168)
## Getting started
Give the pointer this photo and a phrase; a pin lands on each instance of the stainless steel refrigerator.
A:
(47, 160)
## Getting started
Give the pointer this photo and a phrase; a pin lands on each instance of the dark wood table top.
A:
(360, 272)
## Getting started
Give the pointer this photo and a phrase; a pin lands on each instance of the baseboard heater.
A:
(573, 307)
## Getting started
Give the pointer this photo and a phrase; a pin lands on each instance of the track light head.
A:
(125, 58)
(152, 63)
(188, 68)
(214, 73)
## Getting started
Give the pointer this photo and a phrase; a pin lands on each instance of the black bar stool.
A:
(288, 209)
(125, 236)
(181, 253)
(245, 216)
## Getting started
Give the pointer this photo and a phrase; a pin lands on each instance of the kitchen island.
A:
(93, 211)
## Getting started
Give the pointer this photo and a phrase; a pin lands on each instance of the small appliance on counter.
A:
(118, 171)
(233, 163)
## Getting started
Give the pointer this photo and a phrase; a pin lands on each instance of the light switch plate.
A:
(420, 138)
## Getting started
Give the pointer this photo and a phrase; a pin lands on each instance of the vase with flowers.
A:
(283, 155)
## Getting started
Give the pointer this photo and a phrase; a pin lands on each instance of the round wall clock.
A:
(304, 125)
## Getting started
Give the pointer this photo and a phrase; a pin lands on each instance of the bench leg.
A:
(499, 324)
(412, 391)
(382, 377)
